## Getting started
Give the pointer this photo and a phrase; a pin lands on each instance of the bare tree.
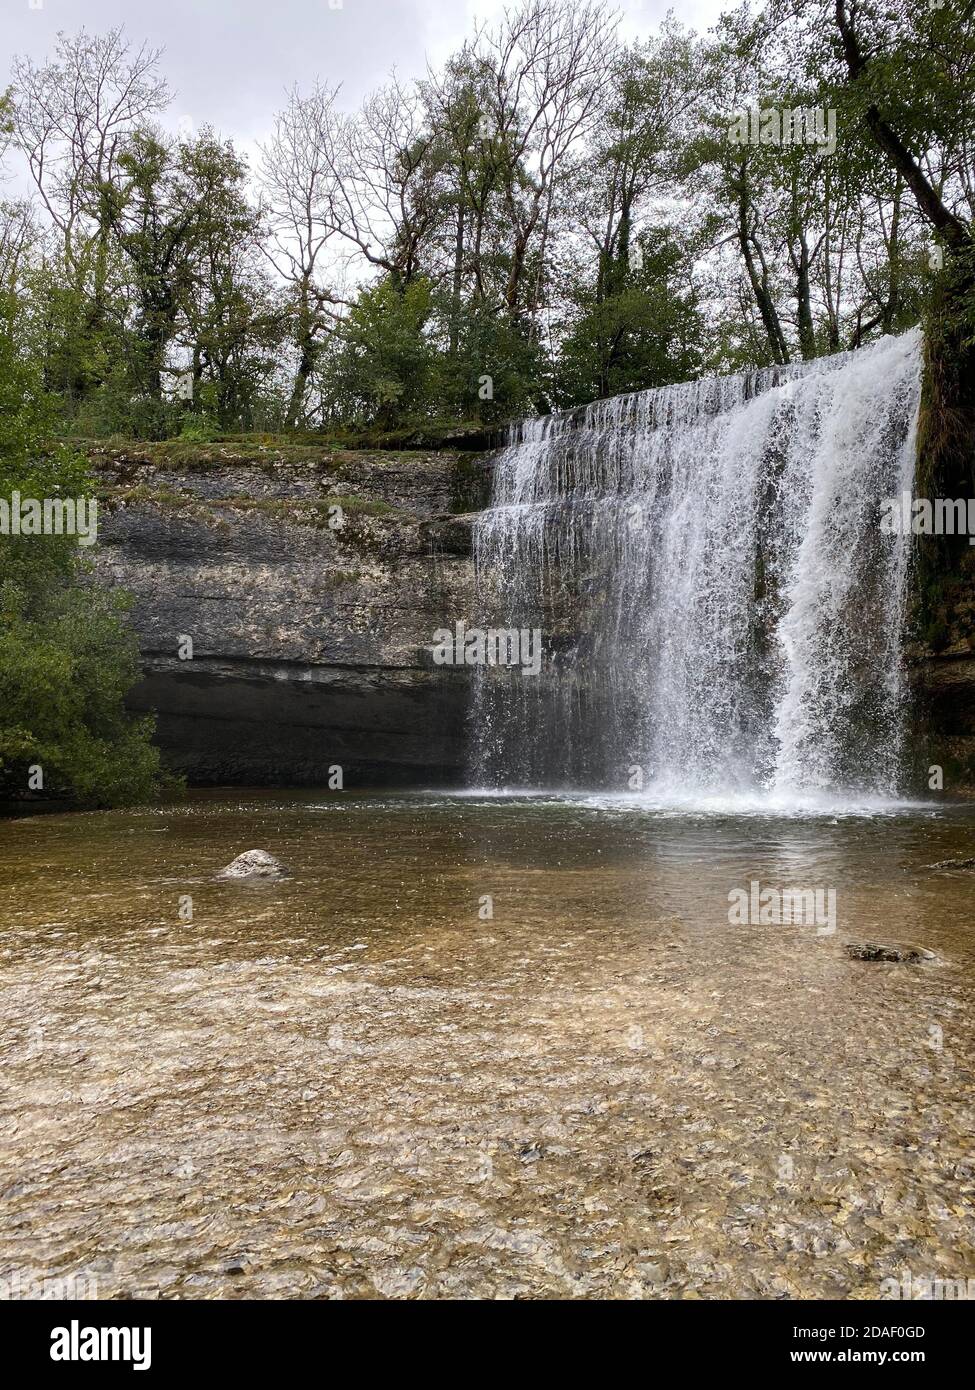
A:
(301, 167)
(545, 65)
(73, 116)
(387, 181)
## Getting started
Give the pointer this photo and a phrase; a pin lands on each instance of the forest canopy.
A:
(551, 216)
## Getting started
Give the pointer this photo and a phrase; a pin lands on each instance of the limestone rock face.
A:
(310, 584)
(254, 863)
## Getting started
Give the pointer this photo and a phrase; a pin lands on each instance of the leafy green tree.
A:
(232, 318)
(379, 370)
(66, 656)
(488, 369)
(647, 331)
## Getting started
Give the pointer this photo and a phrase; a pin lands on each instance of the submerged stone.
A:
(254, 863)
(902, 955)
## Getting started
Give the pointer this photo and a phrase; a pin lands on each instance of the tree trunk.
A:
(955, 233)
(759, 282)
(458, 275)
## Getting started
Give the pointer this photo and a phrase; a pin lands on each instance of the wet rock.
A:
(254, 863)
(954, 864)
(872, 950)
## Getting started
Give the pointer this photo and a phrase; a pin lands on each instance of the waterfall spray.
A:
(721, 610)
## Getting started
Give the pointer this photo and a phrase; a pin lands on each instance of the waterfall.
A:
(720, 610)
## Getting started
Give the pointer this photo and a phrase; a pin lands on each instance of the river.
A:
(482, 1046)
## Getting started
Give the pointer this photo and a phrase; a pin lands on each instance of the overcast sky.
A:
(229, 61)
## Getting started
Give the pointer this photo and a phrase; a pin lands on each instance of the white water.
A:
(719, 607)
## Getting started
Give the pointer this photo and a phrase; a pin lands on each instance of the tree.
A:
(645, 331)
(230, 322)
(74, 117)
(18, 230)
(301, 190)
(543, 69)
(385, 181)
(66, 657)
(379, 371)
(910, 73)
(181, 221)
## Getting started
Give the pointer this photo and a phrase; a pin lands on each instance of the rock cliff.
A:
(309, 583)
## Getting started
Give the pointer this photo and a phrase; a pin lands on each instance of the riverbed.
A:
(483, 1046)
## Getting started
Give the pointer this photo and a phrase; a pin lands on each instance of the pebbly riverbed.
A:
(482, 1047)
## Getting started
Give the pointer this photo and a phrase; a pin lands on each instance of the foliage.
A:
(553, 215)
(66, 656)
(645, 330)
(380, 364)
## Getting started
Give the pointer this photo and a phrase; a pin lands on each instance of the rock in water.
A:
(254, 863)
(954, 864)
(903, 955)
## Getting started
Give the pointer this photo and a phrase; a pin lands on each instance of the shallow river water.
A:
(359, 1082)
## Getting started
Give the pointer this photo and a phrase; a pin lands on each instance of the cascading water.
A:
(720, 610)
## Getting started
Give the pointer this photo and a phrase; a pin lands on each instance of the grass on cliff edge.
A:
(433, 436)
(194, 457)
